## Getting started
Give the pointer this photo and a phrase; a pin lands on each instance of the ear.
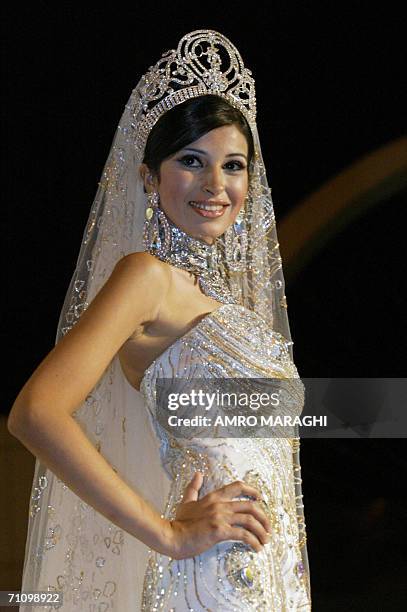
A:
(148, 178)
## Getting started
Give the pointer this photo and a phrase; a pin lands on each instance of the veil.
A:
(70, 547)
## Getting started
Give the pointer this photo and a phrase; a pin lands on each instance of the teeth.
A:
(207, 206)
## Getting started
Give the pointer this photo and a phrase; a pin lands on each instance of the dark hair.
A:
(187, 122)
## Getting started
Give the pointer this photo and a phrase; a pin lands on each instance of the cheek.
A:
(240, 192)
(177, 186)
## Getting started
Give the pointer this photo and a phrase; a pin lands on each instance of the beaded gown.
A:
(231, 341)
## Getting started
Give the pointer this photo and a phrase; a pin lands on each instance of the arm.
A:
(41, 416)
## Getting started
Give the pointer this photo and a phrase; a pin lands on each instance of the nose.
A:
(214, 183)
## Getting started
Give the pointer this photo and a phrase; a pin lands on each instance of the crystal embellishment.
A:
(184, 251)
(246, 575)
(300, 569)
(204, 63)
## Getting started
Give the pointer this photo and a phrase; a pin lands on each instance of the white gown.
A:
(232, 341)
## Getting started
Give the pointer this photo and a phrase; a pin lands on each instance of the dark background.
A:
(329, 90)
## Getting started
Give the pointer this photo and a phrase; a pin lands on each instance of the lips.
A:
(210, 202)
(209, 209)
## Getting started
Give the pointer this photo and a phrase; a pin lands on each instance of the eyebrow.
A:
(204, 152)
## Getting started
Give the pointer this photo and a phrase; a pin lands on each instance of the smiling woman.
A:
(212, 183)
(215, 187)
(125, 515)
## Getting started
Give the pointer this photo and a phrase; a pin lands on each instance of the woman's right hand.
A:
(200, 524)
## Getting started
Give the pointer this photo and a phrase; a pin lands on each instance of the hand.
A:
(200, 524)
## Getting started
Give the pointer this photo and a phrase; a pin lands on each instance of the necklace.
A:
(171, 244)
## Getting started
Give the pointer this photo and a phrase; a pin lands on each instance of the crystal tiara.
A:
(205, 62)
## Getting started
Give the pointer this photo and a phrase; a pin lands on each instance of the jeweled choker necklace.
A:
(194, 255)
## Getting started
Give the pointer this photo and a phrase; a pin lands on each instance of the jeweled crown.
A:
(205, 62)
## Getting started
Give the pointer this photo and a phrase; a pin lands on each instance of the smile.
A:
(208, 210)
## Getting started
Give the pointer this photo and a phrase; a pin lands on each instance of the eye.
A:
(184, 160)
(239, 164)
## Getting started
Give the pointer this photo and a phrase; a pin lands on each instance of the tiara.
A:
(205, 62)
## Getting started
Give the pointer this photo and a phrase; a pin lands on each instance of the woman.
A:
(179, 277)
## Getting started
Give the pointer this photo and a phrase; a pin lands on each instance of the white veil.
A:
(70, 547)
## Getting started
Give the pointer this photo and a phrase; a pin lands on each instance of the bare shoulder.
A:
(141, 257)
(142, 264)
(145, 278)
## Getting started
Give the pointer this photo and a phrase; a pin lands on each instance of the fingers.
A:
(234, 489)
(191, 491)
(243, 535)
(200, 524)
(221, 517)
(251, 524)
(253, 509)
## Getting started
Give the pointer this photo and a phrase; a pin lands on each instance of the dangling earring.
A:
(236, 241)
(157, 232)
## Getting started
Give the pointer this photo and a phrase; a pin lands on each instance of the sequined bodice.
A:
(231, 341)
(262, 350)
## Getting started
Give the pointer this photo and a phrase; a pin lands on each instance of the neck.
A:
(177, 248)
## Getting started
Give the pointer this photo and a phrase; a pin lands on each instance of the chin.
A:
(203, 229)
(209, 233)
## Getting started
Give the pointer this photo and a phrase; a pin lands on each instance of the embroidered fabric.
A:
(230, 576)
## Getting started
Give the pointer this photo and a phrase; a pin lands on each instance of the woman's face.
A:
(211, 171)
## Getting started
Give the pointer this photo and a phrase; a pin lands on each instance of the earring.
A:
(157, 232)
(236, 241)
